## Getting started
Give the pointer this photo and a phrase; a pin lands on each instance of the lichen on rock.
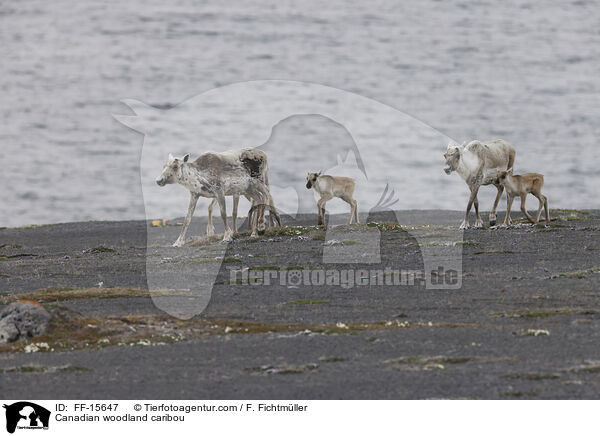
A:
(21, 320)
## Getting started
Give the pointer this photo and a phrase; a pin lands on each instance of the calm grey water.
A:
(527, 72)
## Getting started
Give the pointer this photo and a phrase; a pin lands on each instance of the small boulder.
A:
(21, 320)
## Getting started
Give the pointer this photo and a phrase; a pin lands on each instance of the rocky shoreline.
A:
(524, 324)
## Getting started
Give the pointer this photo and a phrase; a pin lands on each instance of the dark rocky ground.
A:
(524, 324)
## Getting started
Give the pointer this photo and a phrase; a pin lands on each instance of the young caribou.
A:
(478, 163)
(213, 176)
(520, 186)
(328, 187)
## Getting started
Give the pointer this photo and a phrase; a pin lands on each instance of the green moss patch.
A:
(71, 331)
(55, 294)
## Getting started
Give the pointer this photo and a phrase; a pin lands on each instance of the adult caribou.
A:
(478, 163)
(215, 175)
(255, 162)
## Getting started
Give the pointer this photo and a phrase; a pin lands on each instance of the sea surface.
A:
(317, 85)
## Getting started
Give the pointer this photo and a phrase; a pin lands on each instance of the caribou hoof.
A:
(178, 243)
(492, 222)
(464, 225)
(228, 236)
(478, 224)
(210, 231)
(261, 232)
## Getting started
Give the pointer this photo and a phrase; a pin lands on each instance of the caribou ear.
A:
(186, 157)
(171, 157)
(510, 170)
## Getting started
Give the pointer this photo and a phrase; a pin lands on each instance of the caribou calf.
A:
(328, 187)
(520, 186)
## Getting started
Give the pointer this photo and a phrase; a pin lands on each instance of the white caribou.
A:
(478, 164)
(215, 175)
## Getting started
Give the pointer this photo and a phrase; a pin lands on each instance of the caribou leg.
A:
(524, 210)
(271, 208)
(250, 212)
(236, 200)
(496, 201)
(273, 213)
(188, 219)
(321, 208)
(474, 190)
(263, 198)
(260, 219)
(210, 229)
(251, 215)
(541, 200)
(228, 235)
(509, 201)
(352, 204)
(478, 220)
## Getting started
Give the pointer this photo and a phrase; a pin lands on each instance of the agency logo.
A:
(24, 415)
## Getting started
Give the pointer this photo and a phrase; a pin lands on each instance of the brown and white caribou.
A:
(520, 186)
(216, 175)
(478, 163)
(329, 187)
(255, 162)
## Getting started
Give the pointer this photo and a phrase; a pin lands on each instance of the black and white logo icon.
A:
(26, 415)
